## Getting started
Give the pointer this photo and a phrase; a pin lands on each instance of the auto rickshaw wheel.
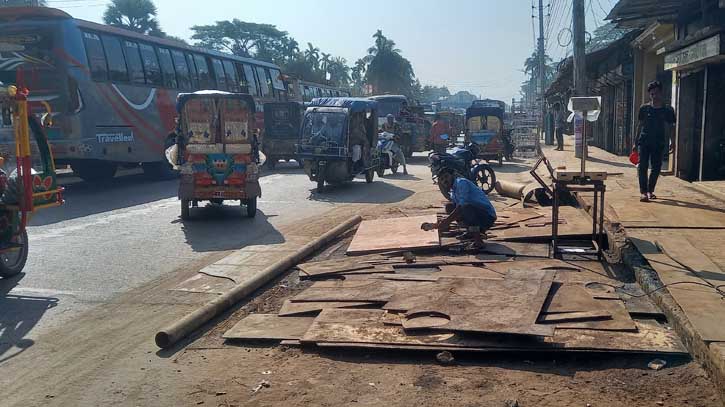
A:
(369, 176)
(185, 209)
(320, 184)
(13, 261)
(251, 205)
(381, 172)
(394, 168)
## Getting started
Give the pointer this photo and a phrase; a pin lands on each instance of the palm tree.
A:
(325, 61)
(387, 70)
(312, 56)
(135, 15)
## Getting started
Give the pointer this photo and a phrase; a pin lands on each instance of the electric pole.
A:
(542, 72)
(580, 76)
(580, 69)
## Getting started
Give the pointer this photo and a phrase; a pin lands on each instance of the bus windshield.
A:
(389, 107)
(26, 59)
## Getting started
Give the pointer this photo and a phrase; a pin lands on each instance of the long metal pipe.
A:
(171, 334)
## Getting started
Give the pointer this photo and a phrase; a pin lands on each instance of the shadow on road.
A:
(83, 198)
(226, 227)
(18, 315)
(357, 191)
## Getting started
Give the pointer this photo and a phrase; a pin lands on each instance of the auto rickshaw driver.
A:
(390, 126)
(358, 140)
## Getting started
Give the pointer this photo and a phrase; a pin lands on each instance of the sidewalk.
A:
(674, 245)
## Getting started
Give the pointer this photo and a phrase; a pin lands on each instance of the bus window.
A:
(151, 65)
(251, 81)
(307, 94)
(96, 57)
(221, 80)
(318, 92)
(202, 68)
(265, 83)
(231, 74)
(193, 74)
(114, 55)
(182, 69)
(133, 61)
(277, 79)
(167, 68)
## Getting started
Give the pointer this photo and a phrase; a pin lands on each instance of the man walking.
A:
(654, 119)
(559, 125)
(440, 134)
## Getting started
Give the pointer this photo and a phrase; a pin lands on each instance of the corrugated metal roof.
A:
(639, 13)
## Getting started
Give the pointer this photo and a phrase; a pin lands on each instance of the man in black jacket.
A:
(654, 120)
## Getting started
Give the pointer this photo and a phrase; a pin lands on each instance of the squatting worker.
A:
(470, 207)
(390, 126)
(654, 120)
(559, 125)
(439, 128)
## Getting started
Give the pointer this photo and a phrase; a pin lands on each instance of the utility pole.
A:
(580, 75)
(542, 75)
(580, 70)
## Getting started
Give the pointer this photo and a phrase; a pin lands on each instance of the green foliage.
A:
(135, 15)
(434, 93)
(386, 70)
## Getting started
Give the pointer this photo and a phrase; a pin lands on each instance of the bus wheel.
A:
(95, 171)
(13, 261)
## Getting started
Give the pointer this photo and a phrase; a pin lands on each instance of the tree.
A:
(135, 15)
(312, 56)
(251, 40)
(386, 70)
(434, 93)
(339, 72)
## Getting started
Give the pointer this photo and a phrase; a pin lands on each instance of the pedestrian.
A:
(469, 206)
(655, 118)
(559, 125)
(440, 133)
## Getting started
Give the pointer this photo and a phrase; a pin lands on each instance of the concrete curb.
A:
(712, 358)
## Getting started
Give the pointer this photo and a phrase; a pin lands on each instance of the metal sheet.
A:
(575, 298)
(469, 272)
(290, 308)
(509, 306)
(270, 327)
(372, 290)
(393, 234)
(573, 316)
(366, 329)
(576, 223)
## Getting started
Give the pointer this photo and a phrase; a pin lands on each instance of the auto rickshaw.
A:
(31, 185)
(217, 152)
(485, 127)
(282, 122)
(338, 140)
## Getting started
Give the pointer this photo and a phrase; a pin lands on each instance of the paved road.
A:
(107, 240)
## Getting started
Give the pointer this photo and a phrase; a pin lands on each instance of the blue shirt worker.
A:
(471, 207)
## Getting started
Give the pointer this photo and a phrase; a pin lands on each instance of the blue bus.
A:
(113, 91)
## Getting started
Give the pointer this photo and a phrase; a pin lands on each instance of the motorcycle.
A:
(386, 149)
(445, 168)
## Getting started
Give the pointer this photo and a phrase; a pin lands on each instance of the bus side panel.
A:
(119, 122)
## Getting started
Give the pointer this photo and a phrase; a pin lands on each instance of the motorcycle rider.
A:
(390, 126)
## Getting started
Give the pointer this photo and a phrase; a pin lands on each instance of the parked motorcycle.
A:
(386, 149)
(445, 168)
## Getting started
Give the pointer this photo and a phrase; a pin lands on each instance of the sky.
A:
(474, 45)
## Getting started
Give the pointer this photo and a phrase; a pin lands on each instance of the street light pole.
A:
(542, 72)
(580, 70)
